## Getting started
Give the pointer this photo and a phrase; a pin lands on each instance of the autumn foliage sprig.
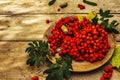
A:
(59, 70)
(104, 21)
(37, 51)
(39, 54)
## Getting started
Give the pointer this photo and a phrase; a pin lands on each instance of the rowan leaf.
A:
(105, 14)
(37, 53)
(90, 3)
(51, 2)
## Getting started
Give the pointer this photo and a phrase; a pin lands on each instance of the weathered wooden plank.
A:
(10, 7)
(13, 62)
(13, 65)
(31, 27)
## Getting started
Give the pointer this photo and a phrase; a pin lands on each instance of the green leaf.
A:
(30, 61)
(114, 23)
(60, 69)
(40, 42)
(31, 52)
(51, 2)
(115, 60)
(54, 66)
(36, 44)
(30, 44)
(54, 73)
(110, 30)
(37, 52)
(107, 11)
(105, 22)
(66, 71)
(116, 31)
(50, 77)
(95, 21)
(89, 2)
(105, 14)
(59, 60)
(101, 12)
(28, 49)
(59, 75)
(109, 16)
(68, 60)
(38, 62)
(48, 71)
(51, 68)
(45, 60)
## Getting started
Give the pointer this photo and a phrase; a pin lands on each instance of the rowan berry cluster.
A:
(108, 73)
(83, 41)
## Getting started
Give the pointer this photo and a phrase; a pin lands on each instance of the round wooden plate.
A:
(86, 66)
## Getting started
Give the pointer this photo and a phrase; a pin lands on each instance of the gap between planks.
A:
(32, 27)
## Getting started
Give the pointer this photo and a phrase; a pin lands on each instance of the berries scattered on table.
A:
(83, 41)
(81, 6)
(58, 9)
(107, 73)
(47, 21)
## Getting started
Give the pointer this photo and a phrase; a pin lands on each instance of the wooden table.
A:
(22, 21)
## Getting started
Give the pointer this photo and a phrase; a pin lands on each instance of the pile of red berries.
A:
(83, 41)
(108, 73)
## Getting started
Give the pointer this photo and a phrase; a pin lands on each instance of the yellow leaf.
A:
(115, 60)
(80, 17)
(91, 15)
(64, 29)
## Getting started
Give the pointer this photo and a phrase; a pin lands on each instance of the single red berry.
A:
(105, 75)
(106, 70)
(47, 21)
(108, 76)
(81, 7)
(110, 68)
(35, 78)
(102, 78)
(58, 9)
(32, 78)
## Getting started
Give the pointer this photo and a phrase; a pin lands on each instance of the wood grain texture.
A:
(32, 27)
(13, 62)
(10, 7)
(13, 65)
(22, 21)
